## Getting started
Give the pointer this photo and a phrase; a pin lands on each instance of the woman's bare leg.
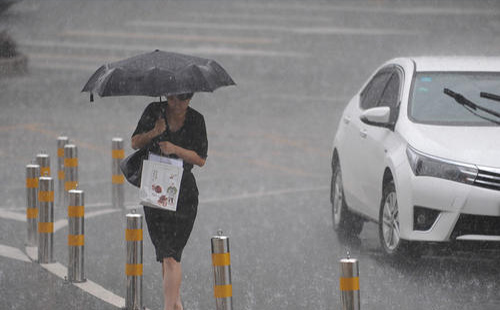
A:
(172, 277)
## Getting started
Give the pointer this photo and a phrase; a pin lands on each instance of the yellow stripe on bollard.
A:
(69, 185)
(223, 291)
(76, 240)
(349, 284)
(118, 179)
(221, 259)
(60, 152)
(31, 213)
(71, 162)
(119, 154)
(76, 211)
(45, 228)
(45, 171)
(32, 182)
(46, 196)
(60, 174)
(133, 269)
(133, 235)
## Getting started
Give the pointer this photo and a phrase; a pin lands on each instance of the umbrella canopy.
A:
(158, 74)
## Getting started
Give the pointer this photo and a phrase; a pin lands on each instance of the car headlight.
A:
(431, 166)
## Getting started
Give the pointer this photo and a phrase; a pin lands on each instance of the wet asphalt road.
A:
(266, 181)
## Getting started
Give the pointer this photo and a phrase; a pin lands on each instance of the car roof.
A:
(456, 64)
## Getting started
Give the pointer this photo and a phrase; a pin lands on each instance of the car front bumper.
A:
(466, 212)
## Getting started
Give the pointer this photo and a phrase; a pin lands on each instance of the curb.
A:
(14, 65)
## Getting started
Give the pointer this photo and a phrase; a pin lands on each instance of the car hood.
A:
(474, 145)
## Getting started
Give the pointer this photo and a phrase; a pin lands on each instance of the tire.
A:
(389, 227)
(345, 223)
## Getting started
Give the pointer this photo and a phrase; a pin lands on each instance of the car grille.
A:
(488, 178)
(476, 225)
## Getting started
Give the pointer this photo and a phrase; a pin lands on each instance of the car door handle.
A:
(347, 119)
(362, 133)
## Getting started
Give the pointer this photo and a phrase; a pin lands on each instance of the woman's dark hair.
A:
(185, 96)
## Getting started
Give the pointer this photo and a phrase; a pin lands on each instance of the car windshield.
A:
(430, 105)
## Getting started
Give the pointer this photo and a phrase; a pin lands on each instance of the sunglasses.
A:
(186, 96)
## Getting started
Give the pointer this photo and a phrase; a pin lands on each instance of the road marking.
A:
(274, 28)
(262, 16)
(13, 253)
(355, 31)
(201, 50)
(9, 215)
(59, 224)
(90, 287)
(165, 36)
(369, 7)
(264, 194)
(73, 56)
(59, 66)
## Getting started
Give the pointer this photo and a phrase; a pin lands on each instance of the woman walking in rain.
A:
(175, 130)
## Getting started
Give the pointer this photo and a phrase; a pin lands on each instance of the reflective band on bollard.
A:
(349, 284)
(61, 142)
(76, 239)
(70, 170)
(221, 261)
(133, 267)
(32, 175)
(43, 160)
(117, 178)
(46, 220)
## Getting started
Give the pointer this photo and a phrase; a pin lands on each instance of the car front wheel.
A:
(389, 226)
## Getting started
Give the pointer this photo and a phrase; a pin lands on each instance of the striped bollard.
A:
(221, 261)
(117, 178)
(32, 175)
(76, 239)
(43, 160)
(134, 267)
(61, 142)
(70, 170)
(46, 220)
(349, 284)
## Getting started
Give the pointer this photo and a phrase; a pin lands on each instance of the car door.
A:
(374, 145)
(353, 161)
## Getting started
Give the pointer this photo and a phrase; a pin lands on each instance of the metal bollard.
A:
(349, 284)
(43, 160)
(32, 175)
(221, 261)
(70, 170)
(76, 239)
(46, 220)
(61, 142)
(134, 267)
(117, 178)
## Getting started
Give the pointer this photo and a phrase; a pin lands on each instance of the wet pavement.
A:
(267, 178)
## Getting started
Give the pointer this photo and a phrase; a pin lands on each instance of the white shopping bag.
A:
(160, 184)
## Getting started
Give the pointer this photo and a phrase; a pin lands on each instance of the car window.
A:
(370, 96)
(390, 95)
(430, 105)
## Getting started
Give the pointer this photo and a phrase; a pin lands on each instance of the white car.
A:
(417, 151)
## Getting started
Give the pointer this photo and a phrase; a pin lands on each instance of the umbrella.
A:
(157, 74)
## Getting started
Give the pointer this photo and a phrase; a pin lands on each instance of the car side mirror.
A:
(379, 116)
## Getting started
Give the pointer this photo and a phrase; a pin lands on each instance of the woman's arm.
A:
(188, 156)
(140, 140)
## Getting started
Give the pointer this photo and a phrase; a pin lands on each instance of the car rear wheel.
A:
(344, 222)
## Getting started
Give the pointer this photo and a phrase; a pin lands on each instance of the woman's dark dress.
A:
(169, 231)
